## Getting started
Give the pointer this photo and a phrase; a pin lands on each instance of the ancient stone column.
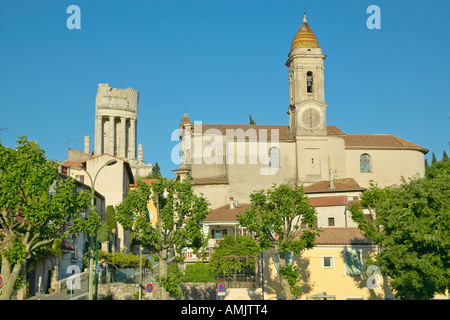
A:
(132, 139)
(111, 136)
(98, 136)
(122, 136)
(140, 154)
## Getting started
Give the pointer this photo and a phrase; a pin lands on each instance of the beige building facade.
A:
(109, 175)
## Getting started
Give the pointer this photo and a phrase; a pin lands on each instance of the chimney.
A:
(231, 203)
(86, 144)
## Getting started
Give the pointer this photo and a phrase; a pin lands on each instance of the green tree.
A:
(251, 120)
(433, 159)
(37, 206)
(411, 223)
(179, 215)
(156, 173)
(276, 215)
(229, 247)
(110, 219)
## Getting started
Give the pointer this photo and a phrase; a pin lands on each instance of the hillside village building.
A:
(227, 162)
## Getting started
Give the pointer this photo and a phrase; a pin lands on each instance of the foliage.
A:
(251, 120)
(171, 282)
(276, 216)
(104, 233)
(37, 205)
(120, 260)
(110, 219)
(179, 215)
(411, 224)
(230, 247)
(291, 274)
(198, 272)
(156, 173)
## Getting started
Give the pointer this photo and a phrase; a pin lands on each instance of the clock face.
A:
(311, 118)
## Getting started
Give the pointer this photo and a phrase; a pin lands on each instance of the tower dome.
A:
(305, 37)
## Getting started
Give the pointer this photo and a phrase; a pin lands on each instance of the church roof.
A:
(380, 141)
(284, 132)
(208, 181)
(185, 120)
(305, 37)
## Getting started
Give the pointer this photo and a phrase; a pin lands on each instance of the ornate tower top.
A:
(305, 37)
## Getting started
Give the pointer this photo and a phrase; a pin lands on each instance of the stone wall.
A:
(191, 291)
(117, 291)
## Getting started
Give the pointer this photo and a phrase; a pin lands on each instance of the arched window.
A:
(309, 82)
(274, 157)
(364, 163)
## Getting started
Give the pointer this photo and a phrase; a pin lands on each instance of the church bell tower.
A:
(307, 108)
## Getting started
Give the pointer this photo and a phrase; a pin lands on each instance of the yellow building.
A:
(333, 270)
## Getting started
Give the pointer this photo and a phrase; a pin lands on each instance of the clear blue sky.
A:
(224, 60)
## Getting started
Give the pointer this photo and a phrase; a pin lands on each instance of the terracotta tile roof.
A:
(383, 141)
(73, 164)
(347, 184)
(329, 201)
(224, 213)
(334, 131)
(107, 154)
(147, 181)
(284, 133)
(205, 181)
(342, 236)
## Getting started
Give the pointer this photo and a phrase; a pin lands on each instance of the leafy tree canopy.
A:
(278, 216)
(37, 205)
(411, 224)
(179, 214)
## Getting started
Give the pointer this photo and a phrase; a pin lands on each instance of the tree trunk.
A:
(284, 282)
(163, 272)
(9, 279)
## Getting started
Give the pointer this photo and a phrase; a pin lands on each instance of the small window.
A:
(274, 157)
(150, 215)
(309, 82)
(331, 222)
(327, 262)
(364, 163)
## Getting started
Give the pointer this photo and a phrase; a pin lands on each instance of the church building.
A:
(228, 162)
(233, 160)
